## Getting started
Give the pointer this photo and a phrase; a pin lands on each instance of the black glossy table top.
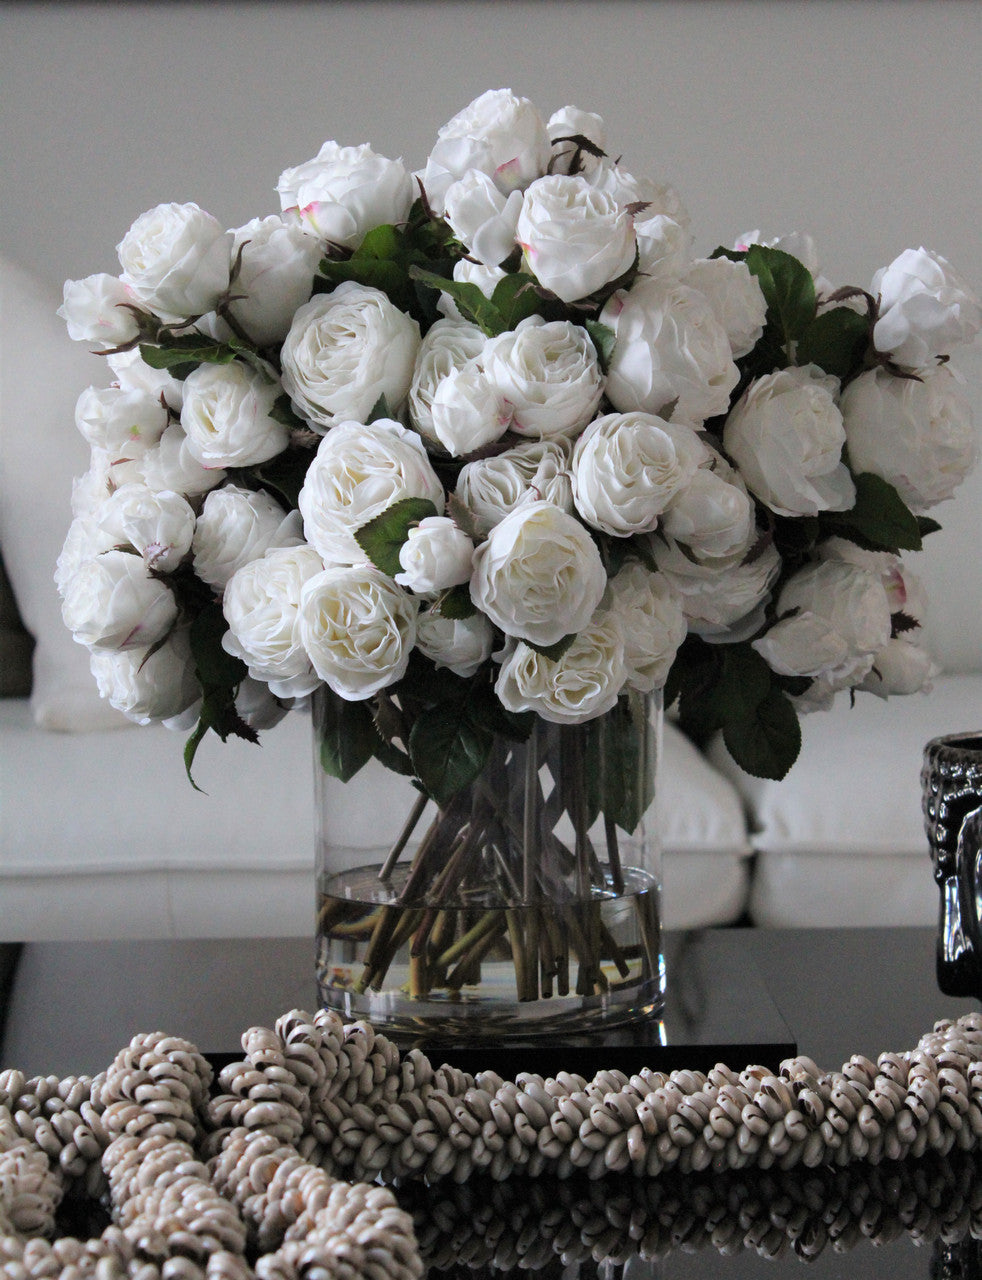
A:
(829, 993)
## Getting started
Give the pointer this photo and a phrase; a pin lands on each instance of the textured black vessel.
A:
(951, 787)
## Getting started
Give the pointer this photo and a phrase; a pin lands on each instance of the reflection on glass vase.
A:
(527, 904)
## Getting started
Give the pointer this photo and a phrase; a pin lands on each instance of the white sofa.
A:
(102, 836)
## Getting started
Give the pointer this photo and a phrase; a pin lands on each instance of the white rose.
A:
(467, 272)
(258, 707)
(905, 592)
(900, 667)
(123, 423)
(926, 308)
(651, 621)
(786, 435)
(575, 238)
(262, 607)
(833, 618)
(358, 629)
(344, 192)
(735, 297)
(447, 346)
(662, 227)
(159, 525)
(918, 435)
(568, 123)
(713, 516)
(627, 467)
(669, 347)
(465, 412)
(462, 645)
(501, 134)
(344, 351)
(548, 374)
(578, 686)
(176, 259)
(85, 540)
(148, 685)
(539, 575)
(238, 525)
(723, 598)
(356, 473)
(482, 218)
(132, 373)
(97, 309)
(112, 603)
(172, 465)
(278, 265)
(436, 555)
(226, 416)
(492, 487)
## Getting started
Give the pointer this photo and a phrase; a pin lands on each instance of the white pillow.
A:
(42, 373)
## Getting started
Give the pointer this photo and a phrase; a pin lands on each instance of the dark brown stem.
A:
(392, 857)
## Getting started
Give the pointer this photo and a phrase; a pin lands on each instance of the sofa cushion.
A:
(104, 837)
(833, 834)
(41, 375)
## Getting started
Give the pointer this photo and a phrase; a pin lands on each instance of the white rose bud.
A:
(258, 707)
(344, 192)
(176, 259)
(539, 575)
(926, 308)
(918, 435)
(799, 244)
(113, 603)
(713, 516)
(148, 685)
(436, 555)
(833, 618)
(900, 667)
(344, 351)
(123, 423)
(627, 467)
(651, 621)
(238, 525)
(262, 607)
(357, 472)
(482, 218)
(466, 272)
(575, 238)
(578, 686)
(447, 346)
(465, 412)
(722, 598)
(547, 374)
(159, 525)
(462, 645)
(570, 122)
(278, 265)
(86, 539)
(226, 416)
(662, 227)
(172, 465)
(132, 373)
(97, 310)
(498, 133)
(358, 629)
(531, 472)
(735, 297)
(786, 435)
(669, 347)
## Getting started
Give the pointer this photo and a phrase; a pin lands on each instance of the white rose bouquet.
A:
(489, 444)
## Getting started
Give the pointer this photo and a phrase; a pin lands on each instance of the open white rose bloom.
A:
(506, 453)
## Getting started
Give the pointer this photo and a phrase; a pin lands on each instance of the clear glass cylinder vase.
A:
(528, 904)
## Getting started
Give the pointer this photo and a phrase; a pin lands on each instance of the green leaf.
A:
(448, 749)
(181, 355)
(347, 736)
(766, 744)
(880, 519)
(380, 409)
(603, 338)
(553, 651)
(382, 539)
(455, 603)
(619, 784)
(788, 289)
(515, 299)
(214, 665)
(836, 341)
(471, 302)
(484, 708)
(926, 525)
(730, 684)
(282, 412)
(285, 474)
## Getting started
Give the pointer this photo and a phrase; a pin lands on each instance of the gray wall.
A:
(859, 122)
